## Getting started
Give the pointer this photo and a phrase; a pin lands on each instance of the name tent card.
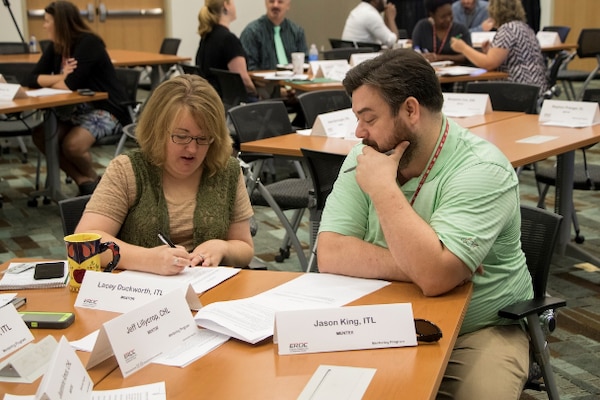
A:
(29, 363)
(479, 38)
(548, 38)
(122, 293)
(341, 123)
(466, 104)
(573, 114)
(10, 91)
(357, 58)
(331, 69)
(14, 333)
(137, 337)
(66, 378)
(345, 328)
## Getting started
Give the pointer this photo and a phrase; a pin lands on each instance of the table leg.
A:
(52, 189)
(565, 169)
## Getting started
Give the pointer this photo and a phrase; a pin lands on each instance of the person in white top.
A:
(365, 23)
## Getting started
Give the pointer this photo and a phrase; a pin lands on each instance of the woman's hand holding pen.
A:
(173, 259)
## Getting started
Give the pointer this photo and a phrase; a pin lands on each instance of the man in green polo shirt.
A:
(440, 210)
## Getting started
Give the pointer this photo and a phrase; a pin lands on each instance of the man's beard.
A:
(401, 133)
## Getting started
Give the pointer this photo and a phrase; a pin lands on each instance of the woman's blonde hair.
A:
(503, 11)
(162, 112)
(209, 15)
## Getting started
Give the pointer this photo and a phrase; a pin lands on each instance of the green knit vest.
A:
(149, 214)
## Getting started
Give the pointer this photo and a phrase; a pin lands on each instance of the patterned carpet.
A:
(575, 345)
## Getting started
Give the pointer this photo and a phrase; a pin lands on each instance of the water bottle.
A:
(33, 44)
(313, 53)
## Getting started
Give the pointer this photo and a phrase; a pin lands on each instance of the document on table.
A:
(46, 92)
(332, 382)
(252, 319)
(201, 278)
(152, 391)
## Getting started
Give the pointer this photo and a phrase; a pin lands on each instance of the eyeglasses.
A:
(427, 331)
(185, 139)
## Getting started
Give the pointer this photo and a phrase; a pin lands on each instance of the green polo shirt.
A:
(471, 200)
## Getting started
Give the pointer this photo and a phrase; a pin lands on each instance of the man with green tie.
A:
(272, 38)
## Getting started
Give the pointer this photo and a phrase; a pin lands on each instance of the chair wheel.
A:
(32, 203)
(579, 239)
(283, 254)
(46, 201)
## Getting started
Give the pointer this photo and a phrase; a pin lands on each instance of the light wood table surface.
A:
(52, 189)
(238, 370)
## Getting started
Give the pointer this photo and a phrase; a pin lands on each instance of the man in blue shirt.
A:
(473, 14)
(260, 37)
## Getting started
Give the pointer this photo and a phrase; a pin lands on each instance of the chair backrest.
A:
(18, 71)
(260, 120)
(231, 87)
(130, 78)
(588, 43)
(563, 31)
(169, 46)
(190, 69)
(71, 210)
(339, 43)
(555, 66)
(539, 231)
(344, 53)
(322, 101)
(508, 96)
(324, 169)
(591, 95)
(14, 48)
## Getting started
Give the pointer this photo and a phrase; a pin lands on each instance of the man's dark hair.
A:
(398, 74)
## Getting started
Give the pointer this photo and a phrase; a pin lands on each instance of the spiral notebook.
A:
(24, 279)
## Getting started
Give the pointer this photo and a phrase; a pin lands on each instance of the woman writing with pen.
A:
(180, 199)
(432, 35)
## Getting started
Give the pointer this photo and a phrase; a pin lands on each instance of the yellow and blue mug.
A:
(83, 254)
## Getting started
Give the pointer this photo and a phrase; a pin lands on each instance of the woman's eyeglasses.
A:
(427, 331)
(185, 139)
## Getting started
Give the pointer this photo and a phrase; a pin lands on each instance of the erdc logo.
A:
(299, 347)
(129, 356)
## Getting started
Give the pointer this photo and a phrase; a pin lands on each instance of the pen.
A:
(165, 240)
(459, 36)
(387, 153)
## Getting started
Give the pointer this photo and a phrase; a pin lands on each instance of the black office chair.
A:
(344, 53)
(190, 69)
(71, 210)
(554, 68)
(324, 169)
(14, 48)
(264, 119)
(586, 176)
(231, 87)
(539, 231)
(339, 43)
(508, 96)
(130, 79)
(168, 46)
(563, 31)
(588, 46)
(322, 101)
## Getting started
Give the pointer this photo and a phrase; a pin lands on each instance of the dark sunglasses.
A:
(427, 331)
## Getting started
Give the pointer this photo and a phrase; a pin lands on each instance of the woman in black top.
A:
(219, 48)
(77, 59)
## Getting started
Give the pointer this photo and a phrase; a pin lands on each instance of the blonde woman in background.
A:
(219, 48)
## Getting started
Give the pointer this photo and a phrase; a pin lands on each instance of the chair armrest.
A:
(534, 306)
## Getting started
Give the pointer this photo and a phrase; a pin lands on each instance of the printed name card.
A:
(345, 328)
(573, 114)
(14, 333)
(137, 337)
(66, 378)
(357, 58)
(330, 69)
(466, 104)
(548, 38)
(29, 363)
(122, 293)
(10, 91)
(341, 123)
(479, 38)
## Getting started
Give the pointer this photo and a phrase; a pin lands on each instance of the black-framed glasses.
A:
(427, 331)
(185, 139)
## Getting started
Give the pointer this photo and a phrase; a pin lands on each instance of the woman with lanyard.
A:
(432, 35)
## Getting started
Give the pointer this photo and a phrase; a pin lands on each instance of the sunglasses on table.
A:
(427, 331)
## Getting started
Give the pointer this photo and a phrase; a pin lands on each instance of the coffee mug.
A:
(83, 254)
(298, 63)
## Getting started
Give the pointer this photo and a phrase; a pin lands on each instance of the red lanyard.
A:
(431, 164)
(435, 49)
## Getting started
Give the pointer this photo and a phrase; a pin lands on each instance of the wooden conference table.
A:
(503, 130)
(119, 58)
(52, 189)
(238, 370)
